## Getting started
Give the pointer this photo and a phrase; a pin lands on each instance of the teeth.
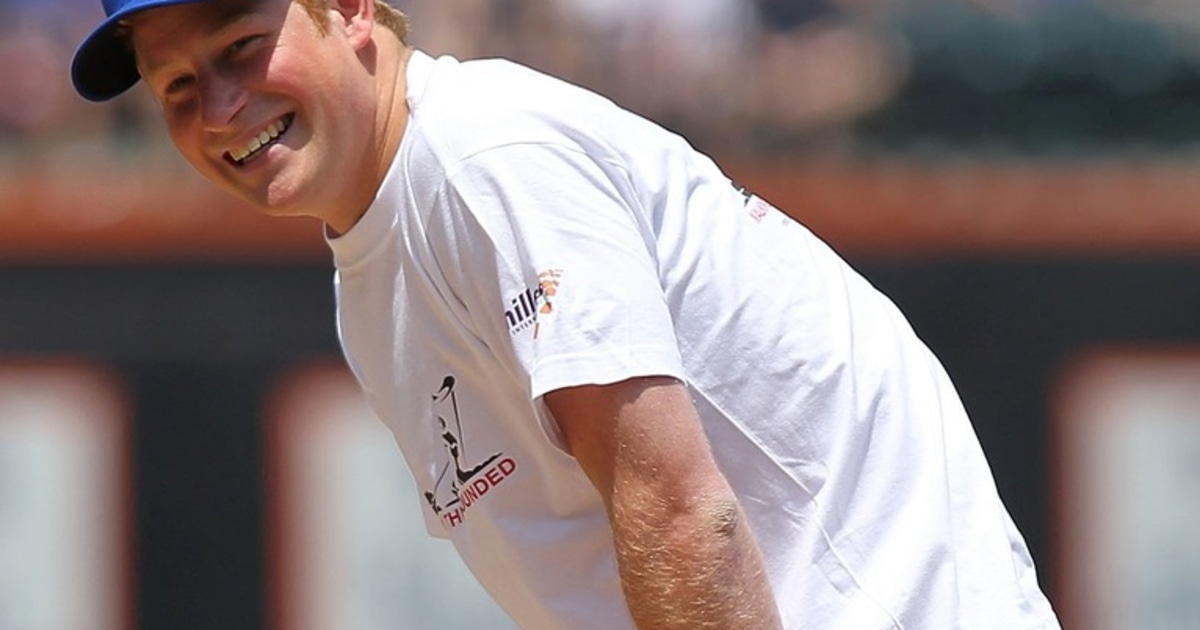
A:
(266, 135)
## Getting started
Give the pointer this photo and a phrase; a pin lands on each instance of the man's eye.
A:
(178, 84)
(239, 45)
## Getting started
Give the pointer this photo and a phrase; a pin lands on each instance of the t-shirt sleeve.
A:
(557, 267)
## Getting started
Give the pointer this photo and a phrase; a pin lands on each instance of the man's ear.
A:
(356, 18)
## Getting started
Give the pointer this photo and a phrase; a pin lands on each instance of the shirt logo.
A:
(533, 303)
(470, 479)
(758, 209)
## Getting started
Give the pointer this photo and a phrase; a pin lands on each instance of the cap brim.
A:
(104, 66)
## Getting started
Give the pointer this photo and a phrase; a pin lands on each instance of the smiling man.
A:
(631, 393)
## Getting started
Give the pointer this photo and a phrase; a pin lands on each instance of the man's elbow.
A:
(715, 517)
(724, 517)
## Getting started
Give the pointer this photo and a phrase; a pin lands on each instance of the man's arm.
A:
(685, 552)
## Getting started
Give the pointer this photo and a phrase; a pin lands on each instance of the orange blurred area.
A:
(880, 208)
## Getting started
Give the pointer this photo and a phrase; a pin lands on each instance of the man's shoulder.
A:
(470, 106)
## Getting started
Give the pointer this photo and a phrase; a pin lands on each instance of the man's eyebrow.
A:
(232, 21)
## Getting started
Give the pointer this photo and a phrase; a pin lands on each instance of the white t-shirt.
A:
(531, 236)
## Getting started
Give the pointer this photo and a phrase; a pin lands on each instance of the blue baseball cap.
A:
(104, 65)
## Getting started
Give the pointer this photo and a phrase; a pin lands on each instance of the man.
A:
(631, 394)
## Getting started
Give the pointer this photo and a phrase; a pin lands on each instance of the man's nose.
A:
(221, 99)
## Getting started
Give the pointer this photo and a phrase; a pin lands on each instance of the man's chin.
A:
(268, 203)
(280, 211)
(278, 196)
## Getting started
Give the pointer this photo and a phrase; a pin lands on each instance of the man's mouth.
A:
(264, 139)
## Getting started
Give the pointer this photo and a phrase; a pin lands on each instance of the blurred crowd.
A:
(737, 76)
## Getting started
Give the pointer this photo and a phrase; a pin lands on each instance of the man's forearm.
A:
(694, 567)
(685, 552)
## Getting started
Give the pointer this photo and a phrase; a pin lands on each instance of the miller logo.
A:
(532, 303)
(469, 481)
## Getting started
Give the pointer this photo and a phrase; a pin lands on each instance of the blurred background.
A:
(180, 447)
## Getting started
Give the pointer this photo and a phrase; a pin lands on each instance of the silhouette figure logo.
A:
(468, 479)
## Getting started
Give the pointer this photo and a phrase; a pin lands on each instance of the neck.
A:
(391, 121)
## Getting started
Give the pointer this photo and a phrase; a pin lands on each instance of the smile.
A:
(264, 139)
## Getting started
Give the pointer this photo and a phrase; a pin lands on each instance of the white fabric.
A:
(532, 236)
